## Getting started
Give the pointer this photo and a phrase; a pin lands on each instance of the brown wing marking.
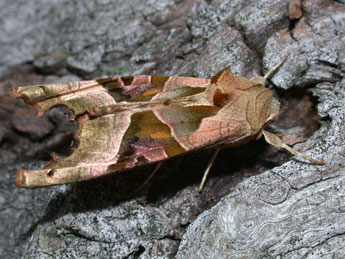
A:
(147, 140)
(99, 141)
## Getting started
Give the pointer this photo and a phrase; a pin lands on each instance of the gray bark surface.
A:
(258, 202)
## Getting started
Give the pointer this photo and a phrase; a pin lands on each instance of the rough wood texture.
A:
(258, 208)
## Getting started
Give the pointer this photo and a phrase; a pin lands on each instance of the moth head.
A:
(273, 110)
(259, 80)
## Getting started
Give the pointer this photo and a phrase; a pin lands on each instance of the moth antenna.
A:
(275, 141)
(274, 69)
(150, 177)
(210, 163)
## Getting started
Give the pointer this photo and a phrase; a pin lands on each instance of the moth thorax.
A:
(220, 98)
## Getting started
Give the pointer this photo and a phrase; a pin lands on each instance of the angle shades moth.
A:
(125, 122)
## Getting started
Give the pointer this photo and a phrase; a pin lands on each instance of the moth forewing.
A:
(127, 122)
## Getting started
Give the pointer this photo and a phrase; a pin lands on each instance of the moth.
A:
(125, 122)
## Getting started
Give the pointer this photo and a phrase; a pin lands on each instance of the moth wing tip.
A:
(13, 92)
(19, 182)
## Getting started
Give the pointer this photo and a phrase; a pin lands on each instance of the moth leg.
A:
(150, 177)
(274, 140)
(210, 163)
(274, 69)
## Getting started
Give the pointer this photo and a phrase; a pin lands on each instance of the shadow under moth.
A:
(125, 122)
